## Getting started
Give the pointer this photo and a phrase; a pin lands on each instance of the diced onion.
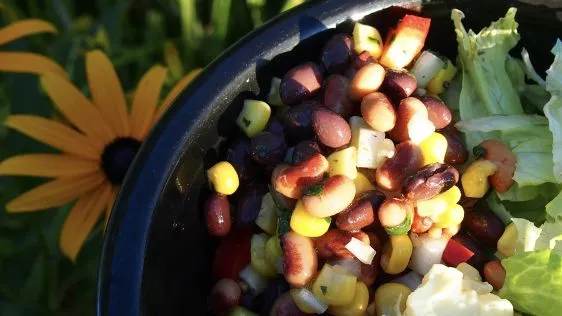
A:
(306, 297)
(362, 251)
(351, 265)
(255, 281)
(427, 252)
(426, 67)
(411, 279)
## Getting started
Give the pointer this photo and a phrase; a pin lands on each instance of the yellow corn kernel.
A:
(451, 217)
(223, 178)
(475, 178)
(254, 117)
(241, 311)
(386, 297)
(433, 149)
(358, 305)
(435, 233)
(308, 225)
(396, 254)
(334, 286)
(367, 38)
(362, 184)
(439, 203)
(273, 252)
(441, 81)
(258, 258)
(508, 240)
(342, 162)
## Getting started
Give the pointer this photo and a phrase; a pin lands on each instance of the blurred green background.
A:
(35, 278)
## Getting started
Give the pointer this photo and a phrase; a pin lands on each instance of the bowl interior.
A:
(178, 257)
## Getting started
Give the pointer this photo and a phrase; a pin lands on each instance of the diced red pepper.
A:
(456, 253)
(406, 42)
(232, 255)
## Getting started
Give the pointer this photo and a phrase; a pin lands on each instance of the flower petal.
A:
(25, 28)
(107, 91)
(82, 219)
(55, 193)
(56, 135)
(47, 165)
(145, 101)
(28, 62)
(76, 107)
(175, 91)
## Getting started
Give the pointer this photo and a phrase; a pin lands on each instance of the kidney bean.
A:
(301, 83)
(249, 205)
(367, 79)
(406, 161)
(370, 272)
(411, 119)
(285, 306)
(275, 126)
(337, 53)
(275, 288)
(299, 259)
(437, 111)
(298, 121)
(329, 197)
(399, 84)
(332, 244)
(362, 211)
(237, 155)
(291, 180)
(485, 226)
(421, 224)
(378, 112)
(393, 211)
(503, 157)
(336, 95)
(232, 254)
(224, 296)
(304, 149)
(330, 128)
(363, 59)
(456, 151)
(494, 273)
(267, 148)
(429, 181)
(217, 215)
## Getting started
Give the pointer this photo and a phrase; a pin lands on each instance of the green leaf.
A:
(192, 31)
(33, 288)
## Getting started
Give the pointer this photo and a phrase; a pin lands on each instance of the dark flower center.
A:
(117, 158)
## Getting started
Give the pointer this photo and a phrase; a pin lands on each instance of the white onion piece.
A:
(426, 68)
(255, 281)
(362, 251)
(307, 297)
(411, 279)
(427, 252)
(350, 265)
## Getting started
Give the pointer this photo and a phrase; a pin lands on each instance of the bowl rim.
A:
(119, 289)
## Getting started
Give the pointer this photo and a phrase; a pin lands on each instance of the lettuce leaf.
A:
(554, 209)
(553, 109)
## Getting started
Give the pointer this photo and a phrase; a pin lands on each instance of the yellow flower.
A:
(23, 61)
(96, 150)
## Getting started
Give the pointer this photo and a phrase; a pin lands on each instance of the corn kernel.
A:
(362, 184)
(274, 253)
(441, 81)
(334, 286)
(254, 117)
(433, 149)
(308, 225)
(508, 240)
(396, 254)
(386, 297)
(358, 305)
(342, 162)
(435, 233)
(223, 178)
(475, 178)
(241, 311)
(367, 38)
(258, 258)
(439, 203)
(451, 217)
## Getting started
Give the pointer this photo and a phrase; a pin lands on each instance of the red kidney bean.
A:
(275, 126)
(494, 273)
(232, 254)
(329, 197)
(336, 96)
(407, 110)
(406, 161)
(330, 128)
(301, 83)
(456, 151)
(225, 295)
(299, 259)
(332, 244)
(368, 79)
(298, 121)
(437, 111)
(429, 181)
(237, 155)
(292, 180)
(336, 53)
(378, 112)
(267, 148)
(362, 212)
(484, 226)
(304, 149)
(370, 272)
(217, 215)
(358, 61)
(249, 205)
(399, 84)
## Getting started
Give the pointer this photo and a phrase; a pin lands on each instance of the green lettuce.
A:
(553, 109)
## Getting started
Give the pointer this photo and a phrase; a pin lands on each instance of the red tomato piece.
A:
(456, 253)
